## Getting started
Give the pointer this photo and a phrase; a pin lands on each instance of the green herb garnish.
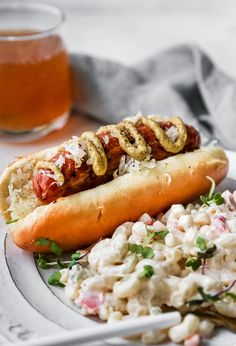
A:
(11, 221)
(60, 264)
(71, 264)
(55, 248)
(201, 244)
(42, 262)
(147, 252)
(51, 244)
(231, 295)
(144, 251)
(43, 242)
(74, 259)
(206, 298)
(54, 279)
(202, 256)
(135, 248)
(147, 272)
(193, 262)
(76, 256)
(216, 198)
(160, 234)
(212, 197)
(208, 253)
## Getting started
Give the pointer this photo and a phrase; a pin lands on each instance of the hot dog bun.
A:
(83, 218)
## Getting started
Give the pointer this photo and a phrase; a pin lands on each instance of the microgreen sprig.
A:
(147, 272)
(212, 197)
(201, 243)
(44, 263)
(11, 221)
(193, 262)
(159, 234)
(200, 260)
(231, 295)
(144, 251)
(208, 253)
(206, 298)
(75, 257)
(54, 279)
(51, 244)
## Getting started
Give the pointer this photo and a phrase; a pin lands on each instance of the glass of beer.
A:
(35, 96)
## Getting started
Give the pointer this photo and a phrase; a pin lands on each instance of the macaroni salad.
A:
(184, 259)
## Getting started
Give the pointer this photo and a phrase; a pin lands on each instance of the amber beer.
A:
(34, 81)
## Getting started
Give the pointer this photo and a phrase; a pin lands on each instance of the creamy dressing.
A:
(114, 287)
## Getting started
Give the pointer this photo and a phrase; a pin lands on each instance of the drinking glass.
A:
(35, 93)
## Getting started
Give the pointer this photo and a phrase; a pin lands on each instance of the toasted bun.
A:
(83, 218)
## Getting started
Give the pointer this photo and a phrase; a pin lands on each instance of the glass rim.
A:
(33, 6)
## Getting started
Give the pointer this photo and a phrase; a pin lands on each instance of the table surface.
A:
(128, 31)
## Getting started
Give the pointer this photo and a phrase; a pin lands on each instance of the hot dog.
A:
(82, 178)
(83, 189)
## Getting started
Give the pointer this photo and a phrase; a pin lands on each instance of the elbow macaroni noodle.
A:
(115, 286)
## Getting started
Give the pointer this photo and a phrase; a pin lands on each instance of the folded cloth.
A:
(181, 81)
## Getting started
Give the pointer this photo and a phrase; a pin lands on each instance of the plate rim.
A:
(231, 175)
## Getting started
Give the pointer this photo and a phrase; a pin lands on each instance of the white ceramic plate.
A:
(30, 308)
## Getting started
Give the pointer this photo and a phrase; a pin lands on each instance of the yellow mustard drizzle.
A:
(96, 152)
(123, 131)
(138, 150)
(165, 141)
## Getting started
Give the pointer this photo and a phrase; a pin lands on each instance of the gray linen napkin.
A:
(181, 81)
